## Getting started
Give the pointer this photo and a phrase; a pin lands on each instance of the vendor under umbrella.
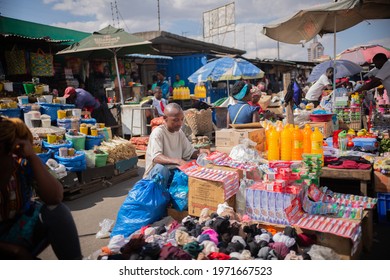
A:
(242, 112)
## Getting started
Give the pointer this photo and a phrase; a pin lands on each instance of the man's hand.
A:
(181, 162)
(207, 151)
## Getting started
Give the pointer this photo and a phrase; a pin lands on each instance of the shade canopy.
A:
(102, 44)
(326, 18)
(225, 69)
(363, 55)
(109, 42)
(343, 68)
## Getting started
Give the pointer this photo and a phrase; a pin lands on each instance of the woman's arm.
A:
(49, 188)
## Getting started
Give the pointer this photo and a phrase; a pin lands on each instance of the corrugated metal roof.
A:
(37, 31)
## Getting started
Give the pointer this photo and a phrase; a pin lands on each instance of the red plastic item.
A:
(321, 117)
(336, 138)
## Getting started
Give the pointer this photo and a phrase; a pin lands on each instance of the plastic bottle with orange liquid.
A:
(273, 145)
(285, 143)
(317, 144)
(297, 144)
(307, 132)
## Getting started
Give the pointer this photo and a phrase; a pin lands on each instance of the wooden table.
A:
(361, 175)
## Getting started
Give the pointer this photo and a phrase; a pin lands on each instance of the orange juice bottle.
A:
(285, 143)
(307, 132)
(297, 144)
(273, 145)
(316, 143)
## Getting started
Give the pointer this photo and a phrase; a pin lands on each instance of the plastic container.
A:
(273, 145)
(106, 132)
(48, 98)
(363, 142)
(321, 117)
(76, 112)
(77, 140)
(50, 109)
(297, 144)
(46, 123)
(67, 106)
(74, 164)
(316, 143)
(383, 207)
(11, 112)
(91, 141)
(307, 132)
(101, 159)
(23, 100)
(45, 156)
(285, 143)
(54, 147)
(29, 88)
(89, 121)
(329, 141)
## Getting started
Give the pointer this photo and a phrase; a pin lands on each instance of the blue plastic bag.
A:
(73, 164)
(145, 204)
(179, 191)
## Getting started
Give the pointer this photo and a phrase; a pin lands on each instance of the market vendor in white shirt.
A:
(158, 102)
(323, 83)
(168, 146)
(381, 74)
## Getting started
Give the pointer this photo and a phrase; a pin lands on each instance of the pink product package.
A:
(257, 205)
(272, 207)
(263, 199)
(249, 202)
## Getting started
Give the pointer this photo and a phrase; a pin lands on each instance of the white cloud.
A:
(185, 17)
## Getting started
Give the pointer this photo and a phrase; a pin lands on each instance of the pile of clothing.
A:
(221, 236)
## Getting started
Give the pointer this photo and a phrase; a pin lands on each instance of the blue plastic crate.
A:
(88, 121)
(11, 112)
(126, 164)
(383, 207)
(50, 109)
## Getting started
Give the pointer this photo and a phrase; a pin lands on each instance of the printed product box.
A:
(232, 137)
(326, 128)
(206, 194)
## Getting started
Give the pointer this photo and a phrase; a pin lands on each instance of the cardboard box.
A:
(206, 194)
(382, 182)
(177, 215)
(276, 110)
(326, 128)
(232, 137)
(341, 245)
(227, 168)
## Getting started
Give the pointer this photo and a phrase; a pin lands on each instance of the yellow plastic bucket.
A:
(84, 130)
(39, 89)
(61, 114)
(51, 138)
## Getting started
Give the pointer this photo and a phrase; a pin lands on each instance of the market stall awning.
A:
(10, 27)
(148, 56)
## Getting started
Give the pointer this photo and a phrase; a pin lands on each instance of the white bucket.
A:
(46, 122)
(76, 113)
(48, 98)
(62, 100)
(8, 86)
(23, 100)
(46, 88)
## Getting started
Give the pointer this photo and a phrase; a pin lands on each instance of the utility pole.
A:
(278, 51)
(158, 14)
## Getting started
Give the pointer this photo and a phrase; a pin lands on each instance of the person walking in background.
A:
(26, 224)
(178, 82)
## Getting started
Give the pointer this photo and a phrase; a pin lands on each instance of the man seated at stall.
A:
(158, 102)
(242, 112)
(168, 146)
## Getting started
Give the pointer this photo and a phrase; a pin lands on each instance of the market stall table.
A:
(361, 175)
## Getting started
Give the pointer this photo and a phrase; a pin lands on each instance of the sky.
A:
(184, 17)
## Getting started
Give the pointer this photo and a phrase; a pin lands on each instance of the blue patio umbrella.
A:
(225, 69)
(343, 68)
